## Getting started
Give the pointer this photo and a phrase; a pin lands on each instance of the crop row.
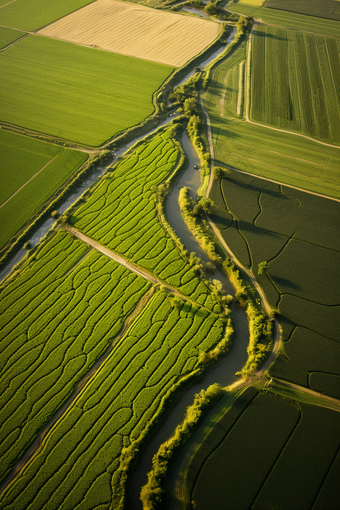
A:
(300, 82)
(80, 457)
(278, 461)
(122, 215)
(58, 316)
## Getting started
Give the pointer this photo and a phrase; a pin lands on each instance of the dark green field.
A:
(296, 233)
(285, 460)
(320, 8)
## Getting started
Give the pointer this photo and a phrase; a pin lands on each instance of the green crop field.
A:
(20, 158)
(122, 215)
(68, 306)
(286, 228)
(121, 400)
(80, 94)
(286, 19)
(286, 458)
(60, 163)
(284, 157)
(33, 14)
(295, 78)
(319, 8)
(8, 36)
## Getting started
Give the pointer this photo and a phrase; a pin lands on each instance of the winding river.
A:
(224, 371)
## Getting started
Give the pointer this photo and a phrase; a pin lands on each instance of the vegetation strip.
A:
(55, 327)
(98, 423)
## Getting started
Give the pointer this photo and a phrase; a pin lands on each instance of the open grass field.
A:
(286, 19)
(320, 8)
(23, 158)
(33, 14)
(122, 215)
(297, 235)
(20, 158)
(79, 94)
(120, 27)
(8, 36)
(67, 309)
(295, 78)
(283, 157)
(81, 454)
(286, 458)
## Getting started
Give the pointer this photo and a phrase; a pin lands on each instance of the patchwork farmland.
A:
(109, 321)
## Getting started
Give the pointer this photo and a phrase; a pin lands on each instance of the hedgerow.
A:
(117, 410)
(58, 316)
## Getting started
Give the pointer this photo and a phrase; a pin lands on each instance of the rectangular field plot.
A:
(81, 454)
(137, 31)
(295, 80)
(58, 316)
(79, 94)
(278, 450)
(324, 9)
(33, 14)
(32, 171)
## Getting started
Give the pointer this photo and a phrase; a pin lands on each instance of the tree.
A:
(190, 106)
(262, 269)
(206, 204)
(218, 172)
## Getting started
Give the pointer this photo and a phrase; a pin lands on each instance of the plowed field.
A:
(135, 30)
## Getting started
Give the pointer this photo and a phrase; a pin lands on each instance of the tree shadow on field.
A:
(285, 282)
(270, 36)
(252, 187)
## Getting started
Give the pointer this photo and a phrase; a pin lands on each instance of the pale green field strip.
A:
(295, 80)
(8, 36)
(121, 214)
(59, 315)
(20, 158)
(295, 21)
(31, 197)
(284, 157)
(33, 14)
(77, 465)
(80, 94)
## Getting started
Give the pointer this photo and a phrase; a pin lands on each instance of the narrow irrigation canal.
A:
(224, 371)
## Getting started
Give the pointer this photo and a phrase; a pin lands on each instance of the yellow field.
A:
(135, 30)
(256, 3)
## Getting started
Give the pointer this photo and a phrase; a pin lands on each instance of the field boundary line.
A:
(282, 183)
(29, 180)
